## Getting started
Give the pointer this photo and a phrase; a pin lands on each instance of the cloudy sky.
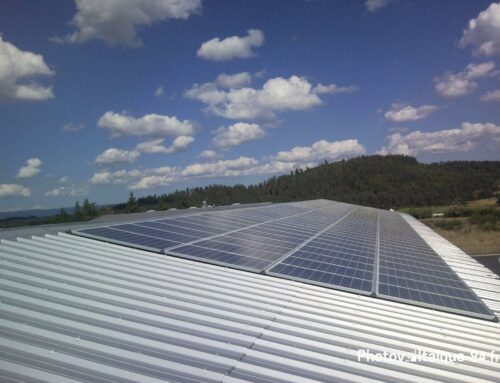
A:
(102, 97)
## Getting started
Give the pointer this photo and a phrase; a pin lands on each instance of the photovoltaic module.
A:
(341, 246)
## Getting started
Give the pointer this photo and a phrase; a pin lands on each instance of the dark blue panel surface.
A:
(124, 237)
(409, 270)
(341, 257)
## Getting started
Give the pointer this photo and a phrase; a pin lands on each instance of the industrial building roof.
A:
(77, 309)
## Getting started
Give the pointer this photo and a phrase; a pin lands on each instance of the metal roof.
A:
(75, 309)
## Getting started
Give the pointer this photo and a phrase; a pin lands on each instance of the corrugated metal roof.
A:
(75, 309)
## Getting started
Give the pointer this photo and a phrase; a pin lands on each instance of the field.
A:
(473, 227)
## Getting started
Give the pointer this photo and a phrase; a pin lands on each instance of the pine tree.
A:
(132, 206)
(77, 213)
(89, 209)
(64, 217)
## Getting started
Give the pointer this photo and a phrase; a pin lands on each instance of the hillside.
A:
(378, 181)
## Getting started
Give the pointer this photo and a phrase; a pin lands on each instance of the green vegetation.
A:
(378, 181)
(473, 226)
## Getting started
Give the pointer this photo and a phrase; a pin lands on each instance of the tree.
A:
(64, 217)
(78, 212)
(89, 209)
(132, 206)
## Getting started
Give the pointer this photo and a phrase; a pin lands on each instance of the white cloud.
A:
(231, 47)
(459, 84)
(123, 176)
(233, 81)
(63, 180)
(483, 32)
(156, 146)
(116, 21)
(322, 150)
(66, 191)
(210, 94)
(107, 177)
(114, 156)
(72, 128)
(493, 95)
(210, 155)
(207, 93)
(277, 94)
(153, 125)
(17, 70)
(375, 5)
(13, 190)
(334, 89)
(218, 168)
(31, 169)
(160, 91)
(150, 182)
(463, 139)
(237, 134)
(400, 112)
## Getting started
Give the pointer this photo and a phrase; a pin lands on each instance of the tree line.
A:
(385, 182)
(379, 181)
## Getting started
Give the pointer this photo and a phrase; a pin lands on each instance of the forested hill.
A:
(379, 181)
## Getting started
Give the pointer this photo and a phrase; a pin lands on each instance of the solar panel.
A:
(342, 256)
(258, 246)
(410, 271)
(160, 235)
(336, 245)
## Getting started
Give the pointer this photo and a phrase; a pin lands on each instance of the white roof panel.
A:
(75, 309)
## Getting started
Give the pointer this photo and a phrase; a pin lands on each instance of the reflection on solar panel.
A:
(332, 244)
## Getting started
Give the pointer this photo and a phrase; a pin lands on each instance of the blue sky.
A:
(102, 97)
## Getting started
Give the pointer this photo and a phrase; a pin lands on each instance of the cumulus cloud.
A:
(210, 155)
(213, 93)
(375, 5)
(31, 169)
(116, 22)
(152, 125)
(150, 182)
(462, 83)
(63, 179)
(493, 95)
(322, 150)
(463, 139)
(66, 191)
(483, 32)
(233, 81)
(106, 177)
(17, 72)
(218, 168)
(72, 128)
(156, 146)
(13, 190)
(236, 134)
(115, 156)
(231, 47)
(334, 89)
(400, 112)
(277, 94)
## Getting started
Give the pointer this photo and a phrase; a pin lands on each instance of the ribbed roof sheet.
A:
(75, 309)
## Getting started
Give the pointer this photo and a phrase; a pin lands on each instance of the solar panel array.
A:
(332, 244)
(341, 256)
(409, 270)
